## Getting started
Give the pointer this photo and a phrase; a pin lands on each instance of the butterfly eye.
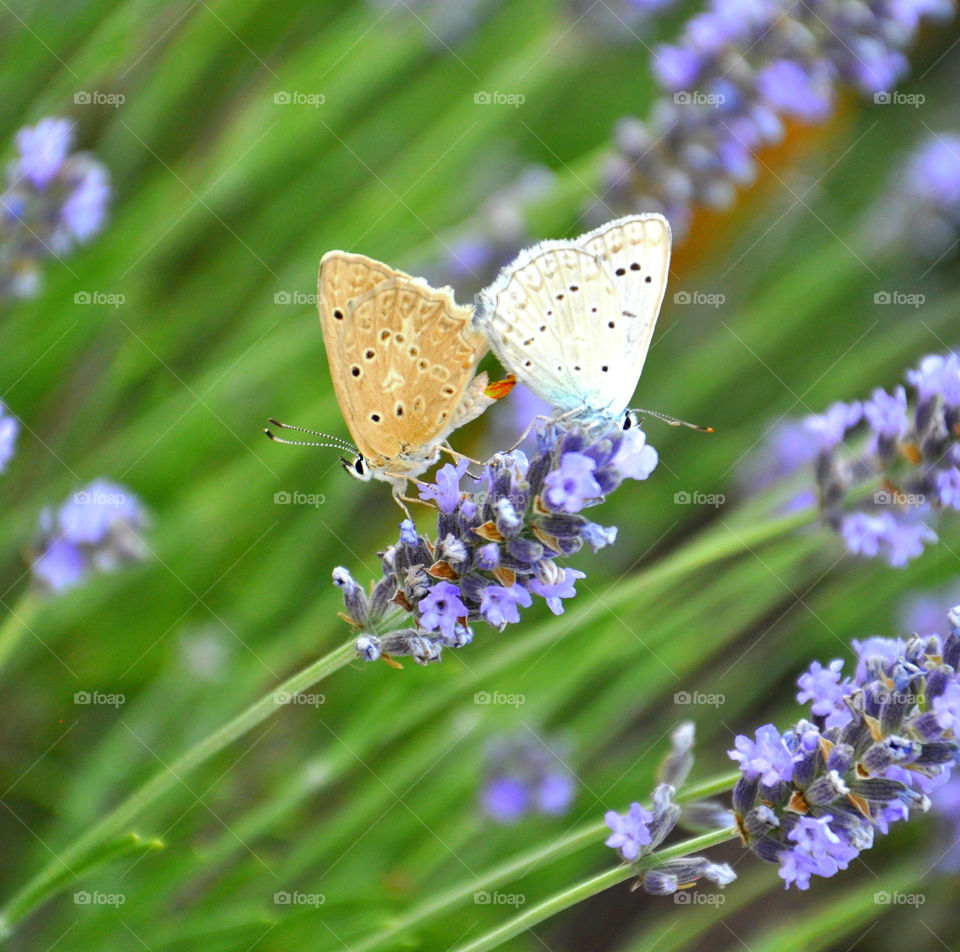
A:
(358, 466)
(629, 421)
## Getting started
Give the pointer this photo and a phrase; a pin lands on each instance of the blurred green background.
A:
(225, 198)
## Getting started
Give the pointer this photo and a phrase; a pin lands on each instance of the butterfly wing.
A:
(573, 319)
(342, 278)
(406, 359)
(636, 251)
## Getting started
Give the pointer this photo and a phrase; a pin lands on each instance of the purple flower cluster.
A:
(497, 546)
(920, 212)
(905, 448)
(738, 71)
(53, 200)
(525, 777)
(9, 429)
(96, 530)
(638, 832)
(879, 743)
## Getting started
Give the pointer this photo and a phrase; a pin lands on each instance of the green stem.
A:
(38, 889)
(590, 887)
(16, 625)
(518, 866)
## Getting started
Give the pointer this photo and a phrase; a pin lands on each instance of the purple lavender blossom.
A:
(738, 70)
(826, 687)
(767, 757)
(631, 830)
(525, 776)
(499, 605)
(43, 149)
(9, 428)
(818, 852)
(52, 200)
(635, 458)
(498, 544)
(555, 591)
(567, 488)
(97, 529)
(441, 608)
(446, 491)
(898, 540)
(887, 413)
(889, 758)
(831, 427)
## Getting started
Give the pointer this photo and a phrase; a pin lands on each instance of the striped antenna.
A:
(673, 421)
(329, 441)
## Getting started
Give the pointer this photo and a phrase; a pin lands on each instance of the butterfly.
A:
(402, 357)
(573, 319)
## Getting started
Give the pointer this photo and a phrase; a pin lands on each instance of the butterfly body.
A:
(573, 319)
(402, 358)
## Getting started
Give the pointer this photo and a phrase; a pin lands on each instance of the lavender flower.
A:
(852, 777)
(498, 545)
(52, 200)
(735, 74)
(96, 530)
(9, 428)
(524, 776)
(906, 446)
(767, 757)
(920, 212)
(636, 835)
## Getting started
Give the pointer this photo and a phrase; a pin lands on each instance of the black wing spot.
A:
(543, 328)
(370, 355)
(634, 266)
(620, 272)
(526, 363)
(604, 368)
(423, 364)
(528, 342)
(574, 287)
(559, 297)
(611, 324)
(576, 368)
(338, 314)
(375, 417)
(449, 391)
(399, 338)
(399, 409)
(384, 334)
(355, 370)
(648, 279)
(593, 310)
(414, 351)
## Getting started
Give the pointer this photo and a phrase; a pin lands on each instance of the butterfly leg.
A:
(540, 417)
(447, 448)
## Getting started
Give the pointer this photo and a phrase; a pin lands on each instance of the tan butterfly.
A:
(403, 357)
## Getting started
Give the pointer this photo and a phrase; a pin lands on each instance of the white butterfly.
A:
(573, 319)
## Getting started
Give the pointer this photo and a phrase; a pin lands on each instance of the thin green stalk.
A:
(50, 878)
(519, 865)
(16, 625)
(590, 887)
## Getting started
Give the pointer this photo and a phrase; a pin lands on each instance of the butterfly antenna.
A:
(329, 439)
(674, 421)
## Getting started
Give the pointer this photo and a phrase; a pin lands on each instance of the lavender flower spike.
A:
(855, 775)
(499, 545)
(9, 428)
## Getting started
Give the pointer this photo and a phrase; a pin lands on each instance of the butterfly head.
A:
(357, 467)
(628, 420)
